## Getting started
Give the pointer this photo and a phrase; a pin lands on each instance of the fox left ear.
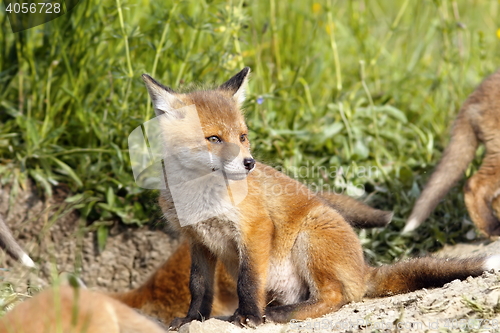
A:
(164, 99)
(237, 85)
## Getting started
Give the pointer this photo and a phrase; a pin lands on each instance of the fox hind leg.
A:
(481, 194)
(495, 204)
(329, 302)
(330, 260)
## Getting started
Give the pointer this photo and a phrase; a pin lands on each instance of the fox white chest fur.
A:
(284, 284)
(200, 198)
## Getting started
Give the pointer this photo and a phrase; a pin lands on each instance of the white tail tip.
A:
(389, 217)
(411, 225)
(26, 261)
(492, 262)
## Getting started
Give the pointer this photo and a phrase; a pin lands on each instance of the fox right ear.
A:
(164, 99)
(237, 85)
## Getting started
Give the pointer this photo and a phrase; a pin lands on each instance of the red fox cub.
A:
(165, 295)
(477, 122)
(495, 205)
(292, 255)
(74, 310)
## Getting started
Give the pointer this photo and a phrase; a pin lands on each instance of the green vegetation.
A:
(362, 85)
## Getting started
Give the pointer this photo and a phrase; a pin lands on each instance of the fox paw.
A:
(178, 322)
(249, 320)
(277, 314)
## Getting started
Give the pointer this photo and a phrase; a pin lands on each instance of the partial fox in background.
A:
(9, 244)
(75, 310)
(292, 255)
(477, 122)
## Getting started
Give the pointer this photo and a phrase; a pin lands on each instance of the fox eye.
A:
(214, 139)
(243, 137)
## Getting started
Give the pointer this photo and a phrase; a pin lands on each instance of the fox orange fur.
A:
(292, 255)
(165, 295)
(495, 205)
(477, 122)
(74, 310)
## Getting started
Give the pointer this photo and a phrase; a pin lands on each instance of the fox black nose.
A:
(249, 163)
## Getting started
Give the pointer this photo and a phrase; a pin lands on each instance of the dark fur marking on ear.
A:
(149, 78)
(234, 83)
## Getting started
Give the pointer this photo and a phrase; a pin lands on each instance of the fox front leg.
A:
(250, 289)
(201, 286)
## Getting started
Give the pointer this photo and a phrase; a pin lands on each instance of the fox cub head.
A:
(205, 131)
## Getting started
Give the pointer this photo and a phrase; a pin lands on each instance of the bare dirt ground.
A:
(52, 234)
(472, 305)
(57, 240)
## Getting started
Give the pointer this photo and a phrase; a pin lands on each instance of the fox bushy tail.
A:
(356, 213)
(456, 157)
(9, 244)
(411, 275)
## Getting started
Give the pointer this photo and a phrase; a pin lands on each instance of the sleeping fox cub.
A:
(291, 254)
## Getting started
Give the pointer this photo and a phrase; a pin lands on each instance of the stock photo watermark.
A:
(334, 179)
(28, 14)
(327, 325)
(170, 152)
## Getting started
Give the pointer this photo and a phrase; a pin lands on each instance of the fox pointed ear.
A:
(237, 85)
(164, 99)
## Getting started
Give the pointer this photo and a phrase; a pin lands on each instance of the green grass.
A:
(352, 84)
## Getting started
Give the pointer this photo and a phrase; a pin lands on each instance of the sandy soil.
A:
(57, 239)
(52, 234)
(472, 305)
